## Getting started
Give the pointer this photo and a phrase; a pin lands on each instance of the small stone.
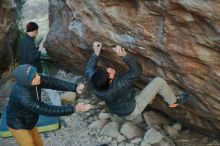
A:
(121, 144)
(95, 118)
(166, 142)
(111, 129)
(109, 139)
(136, 140)
(178, 126)
(173, 132)
(84, 124)
(104, 116)
(152, 136)
(88, 114)
(99, 139)
(130, 131)
(145, 144)
(99, 124)
(103, 110)
(102, 103)
(120, 138)
(129, 144)
(68, 97)
(114, 144)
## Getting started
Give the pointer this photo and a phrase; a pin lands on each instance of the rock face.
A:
(177, 40)
(8, 32)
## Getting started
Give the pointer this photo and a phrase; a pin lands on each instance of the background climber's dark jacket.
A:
(25, 104)
(119, 96)
(28, 53)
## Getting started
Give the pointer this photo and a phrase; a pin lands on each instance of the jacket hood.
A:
(21, 75)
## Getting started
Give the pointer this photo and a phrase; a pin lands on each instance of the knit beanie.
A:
(31, 71)
(31, 26)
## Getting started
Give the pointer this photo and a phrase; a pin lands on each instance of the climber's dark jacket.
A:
(119, 96)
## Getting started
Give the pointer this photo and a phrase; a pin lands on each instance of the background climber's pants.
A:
(27, 137)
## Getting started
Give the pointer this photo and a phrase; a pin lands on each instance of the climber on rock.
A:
(117, 90)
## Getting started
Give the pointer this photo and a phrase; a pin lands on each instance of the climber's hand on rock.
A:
(119, 51)
(97, 46)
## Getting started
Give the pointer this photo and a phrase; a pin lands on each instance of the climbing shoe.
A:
(180, 100)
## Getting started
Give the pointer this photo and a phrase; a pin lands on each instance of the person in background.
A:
(28, 52)
(25, 104)
(117, 90)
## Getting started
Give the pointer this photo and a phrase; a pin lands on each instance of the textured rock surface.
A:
(8, 32)
(154, 119)
(175, 39)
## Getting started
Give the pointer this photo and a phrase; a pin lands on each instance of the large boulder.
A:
(177, 40)
(8, 32)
